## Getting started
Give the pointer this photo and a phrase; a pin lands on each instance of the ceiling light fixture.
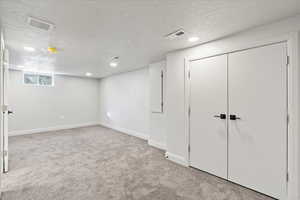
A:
(52, 50)
(114, 62)
(30, 49)
(193, 39)
(88, 74)
(21, 66)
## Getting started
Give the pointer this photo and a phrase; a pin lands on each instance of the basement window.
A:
(38, 79)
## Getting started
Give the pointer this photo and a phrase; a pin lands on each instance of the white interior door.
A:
(208, 100)
(258, 140)
(7, 111)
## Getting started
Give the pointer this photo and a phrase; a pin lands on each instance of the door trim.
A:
(293, 160)
(235, 51)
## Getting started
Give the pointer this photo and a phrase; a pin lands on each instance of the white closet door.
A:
(208, 99)
(258, 141)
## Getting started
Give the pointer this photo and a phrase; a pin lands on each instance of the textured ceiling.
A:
(89, 33)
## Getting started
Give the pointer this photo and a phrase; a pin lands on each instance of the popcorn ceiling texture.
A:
(99, 163)
(89, 33)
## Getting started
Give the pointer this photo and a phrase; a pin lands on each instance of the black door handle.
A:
(233, 117)
(221, 116)
(10, 112)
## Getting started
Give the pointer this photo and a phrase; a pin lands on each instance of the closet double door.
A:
(238, 119)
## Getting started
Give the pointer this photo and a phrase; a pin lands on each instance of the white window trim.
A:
(38, 82)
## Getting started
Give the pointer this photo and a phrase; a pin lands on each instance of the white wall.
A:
(157, 134)
(124, 102)
(176, 126)
(121, 102)
(124, 105)
(71, 102)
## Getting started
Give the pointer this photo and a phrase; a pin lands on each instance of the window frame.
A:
(38, 74)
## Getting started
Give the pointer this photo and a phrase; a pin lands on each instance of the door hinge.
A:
(189, 148)
(189, 74)
(161, 74)
(287, 60)
(189, 112)
(288, 119)
(287, 177)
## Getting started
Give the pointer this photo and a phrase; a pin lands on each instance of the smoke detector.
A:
(40, 24)
(175, 34)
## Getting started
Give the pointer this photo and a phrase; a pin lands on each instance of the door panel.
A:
(208, 97)
(257, 143)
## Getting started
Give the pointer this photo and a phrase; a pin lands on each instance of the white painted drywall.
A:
(157, 135)
(71, 102)
(124, 105)
(124, 102)
(176, 129)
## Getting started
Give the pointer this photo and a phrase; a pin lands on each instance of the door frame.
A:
(2, 48)
(5, 80)
(293, 146)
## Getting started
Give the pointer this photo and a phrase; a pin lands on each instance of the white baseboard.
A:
(177, 159)
(55, 128)
(126, 131)
(157, 144)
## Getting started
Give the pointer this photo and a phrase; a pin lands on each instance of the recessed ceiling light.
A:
(193, 39)
(21, 66)
(113, 64)
(88, 74)
(31, 49)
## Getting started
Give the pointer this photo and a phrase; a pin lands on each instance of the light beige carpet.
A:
(97, 163)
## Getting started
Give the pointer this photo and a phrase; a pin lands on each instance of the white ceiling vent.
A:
(40, 24)
(175, 34)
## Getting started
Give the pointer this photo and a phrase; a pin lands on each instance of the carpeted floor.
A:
(97, 163)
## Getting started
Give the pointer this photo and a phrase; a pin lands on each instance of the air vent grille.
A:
(175, 34)
(40, 24)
